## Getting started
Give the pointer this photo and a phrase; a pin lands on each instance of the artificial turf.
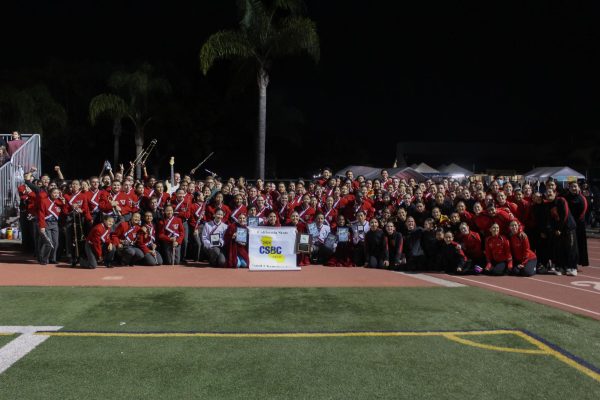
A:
(319, 368)
(5, 339)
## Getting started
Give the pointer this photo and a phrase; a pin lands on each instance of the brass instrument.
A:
(142, 157)
(78, 234)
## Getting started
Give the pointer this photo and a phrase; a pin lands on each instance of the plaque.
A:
(304, 243)
(215, 240)
(241, 235)
(343, 234)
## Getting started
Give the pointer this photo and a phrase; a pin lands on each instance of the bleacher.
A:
(11, 175)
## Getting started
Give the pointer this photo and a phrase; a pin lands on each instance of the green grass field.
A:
(366, 367)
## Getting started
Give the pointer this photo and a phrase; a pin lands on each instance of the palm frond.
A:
(107, 104)
(225, 45)
(295, 7)
(295, 35)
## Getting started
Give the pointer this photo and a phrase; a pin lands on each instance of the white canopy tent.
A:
(455, 171)
(561, 174)
(426, 169)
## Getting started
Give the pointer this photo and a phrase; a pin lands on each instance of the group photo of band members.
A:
(460, 226)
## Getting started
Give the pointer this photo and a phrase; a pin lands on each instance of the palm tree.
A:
(31, 109)
(268, 29)
(135, 89)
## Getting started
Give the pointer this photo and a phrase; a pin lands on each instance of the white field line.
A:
(17, 348)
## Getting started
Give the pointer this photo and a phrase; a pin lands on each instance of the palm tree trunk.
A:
(139, 146)
(263, 82)
(116, 138)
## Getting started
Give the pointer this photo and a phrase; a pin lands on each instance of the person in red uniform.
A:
(49, 211)
(302, 258)
(236, 247)
(125, 236)
(262, 209)
(472, 246)
(93, 199)
(170, 235)
(77, 214)
(146, 241)
(196, 223)
(217, 203)
(99, 245)
(113, 202)
(305, 212)
(523, 257)
(283, 208)
(497, 252)
(238, 208)
(503, 204)
(329, 212)
(358, 204)
(182, 210)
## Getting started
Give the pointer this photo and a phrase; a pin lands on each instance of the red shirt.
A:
(126, 232)
(47, 209)
(98, 236)
(497, 249)
(78, 199)
(169, 228)
(472, 245)
(519, 247)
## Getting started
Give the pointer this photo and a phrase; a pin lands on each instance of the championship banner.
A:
(272, 248)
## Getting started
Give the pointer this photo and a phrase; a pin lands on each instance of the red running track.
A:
(580, 294)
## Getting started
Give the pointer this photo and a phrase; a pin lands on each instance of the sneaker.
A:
(571, 272)
(477, 269)
(554, 271)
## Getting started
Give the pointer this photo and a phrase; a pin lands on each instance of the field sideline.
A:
(297, 343)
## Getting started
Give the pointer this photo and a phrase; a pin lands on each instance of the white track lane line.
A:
(531, 295)
(563, 285)
(432, 279)
(587, 276)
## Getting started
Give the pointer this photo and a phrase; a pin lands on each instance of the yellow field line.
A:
(561, 357)
(273, 335)
(541, 348)
(467, 342)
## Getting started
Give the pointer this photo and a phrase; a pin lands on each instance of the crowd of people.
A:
(456, 226)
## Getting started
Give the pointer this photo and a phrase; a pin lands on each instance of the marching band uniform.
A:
(167, 230)
(49, 212)
(146, 242)
(126, 237)
(97, 247)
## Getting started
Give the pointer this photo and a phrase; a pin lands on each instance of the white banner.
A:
(272, 248)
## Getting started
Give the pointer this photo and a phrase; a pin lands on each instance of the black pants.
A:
(565, 250)
(527, 270)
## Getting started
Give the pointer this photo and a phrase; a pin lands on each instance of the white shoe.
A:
(572, 272)
(554, 271)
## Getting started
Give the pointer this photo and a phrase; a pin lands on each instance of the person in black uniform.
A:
(578, 205)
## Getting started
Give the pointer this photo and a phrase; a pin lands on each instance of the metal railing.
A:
(11, 175)
(6, 137)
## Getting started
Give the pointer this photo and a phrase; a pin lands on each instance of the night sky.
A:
(424, 71)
